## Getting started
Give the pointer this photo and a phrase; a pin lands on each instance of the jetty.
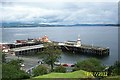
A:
(32, 46)
(78, 47)
(86, 49)
(26, 50)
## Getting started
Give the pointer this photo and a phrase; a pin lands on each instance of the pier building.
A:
(26, 50)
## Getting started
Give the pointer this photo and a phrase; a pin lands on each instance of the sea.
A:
(103, 36)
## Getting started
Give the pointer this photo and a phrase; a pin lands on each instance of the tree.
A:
(60, 69)
(91, 64)
(40, 70)
(16, 63)
(11, 71)
(3, 58)
(50, 54)
(116, 68)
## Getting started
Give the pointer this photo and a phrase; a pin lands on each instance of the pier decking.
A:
(86, 49)
(78, 47)
(27, 50)
(23, 47)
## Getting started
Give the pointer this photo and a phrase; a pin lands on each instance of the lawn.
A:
(112, 78)
(76, 74)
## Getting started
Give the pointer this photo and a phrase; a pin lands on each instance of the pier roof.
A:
(24, 43)
(27, 48)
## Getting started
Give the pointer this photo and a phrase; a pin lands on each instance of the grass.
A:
(112, 78)
(76, 74)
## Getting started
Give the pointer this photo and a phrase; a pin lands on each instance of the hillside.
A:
(76, 74)
(18, 24)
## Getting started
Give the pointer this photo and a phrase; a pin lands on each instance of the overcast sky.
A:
(60, 12)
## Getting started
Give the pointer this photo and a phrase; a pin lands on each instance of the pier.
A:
(21, 44)
(78, 47)
(87, 50)
(26, 50)
(32, 46)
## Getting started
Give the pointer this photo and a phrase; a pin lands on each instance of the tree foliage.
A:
(11, 71)
(40, 70)
(16, 63)
(116, 68)
(50, 54)
(91, 64)
(3, 58)
(60, 69)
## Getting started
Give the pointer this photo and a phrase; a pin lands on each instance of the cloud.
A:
(94, 13)
(59, 13)
(61, 0)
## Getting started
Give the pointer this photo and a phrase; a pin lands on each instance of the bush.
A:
(40, 70)
(16, 63)
(116, 68)
(91, 64)
(3, 57)
(60, 69)
(11, 72)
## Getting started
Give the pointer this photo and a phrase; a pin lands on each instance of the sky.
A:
(59, 12)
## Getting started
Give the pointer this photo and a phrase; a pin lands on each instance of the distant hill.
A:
(18, 24)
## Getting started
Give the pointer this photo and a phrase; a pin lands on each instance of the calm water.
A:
(99, 36)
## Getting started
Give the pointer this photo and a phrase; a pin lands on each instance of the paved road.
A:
(28, 61)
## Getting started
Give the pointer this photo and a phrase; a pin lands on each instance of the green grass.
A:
(112, 78)
(76, 74)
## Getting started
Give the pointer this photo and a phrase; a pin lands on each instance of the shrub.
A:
(16, 63)
(11, 72)
(60, 69)
(116, 68)
(40, 70)
(91, 64)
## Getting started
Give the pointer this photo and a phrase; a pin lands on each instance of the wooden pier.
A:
(17, 45)
(78, 47)
(27, 50)
(85, 49)
(22, 47)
